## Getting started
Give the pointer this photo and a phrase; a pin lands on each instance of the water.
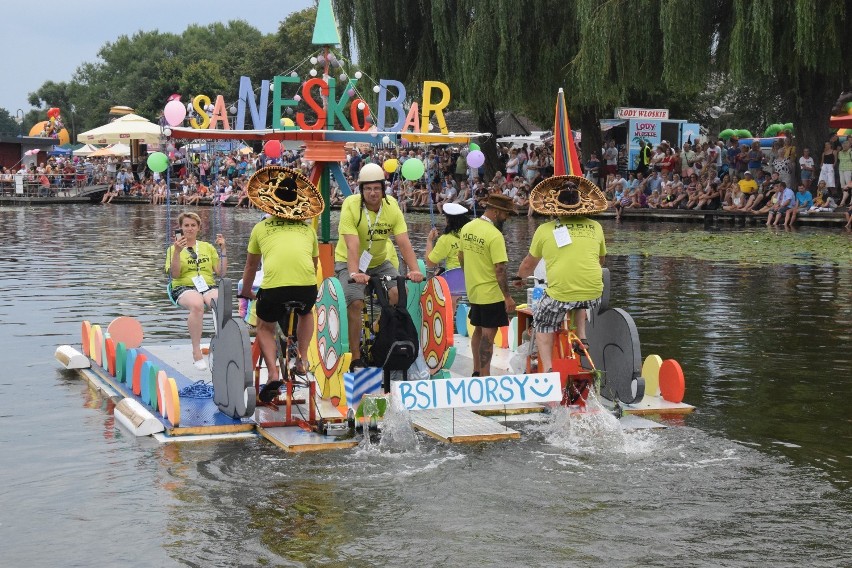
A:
(758, 475)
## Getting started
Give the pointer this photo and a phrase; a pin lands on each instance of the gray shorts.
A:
(550, 314)
(353, 291)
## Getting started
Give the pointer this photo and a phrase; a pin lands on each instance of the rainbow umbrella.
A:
(565, 159)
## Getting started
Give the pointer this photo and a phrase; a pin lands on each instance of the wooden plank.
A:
(457, 425)
(656, 405)
(510, 410)
(295, 439)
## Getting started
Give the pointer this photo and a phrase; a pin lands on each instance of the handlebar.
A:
(382, 279)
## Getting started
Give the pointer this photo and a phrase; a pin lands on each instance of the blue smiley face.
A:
(545, 382)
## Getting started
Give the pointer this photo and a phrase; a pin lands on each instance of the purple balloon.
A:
(475, 159)
(351, 92)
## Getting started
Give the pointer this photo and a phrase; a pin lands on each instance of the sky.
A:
(48, 40)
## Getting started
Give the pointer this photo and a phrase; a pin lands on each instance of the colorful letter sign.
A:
(478, 391)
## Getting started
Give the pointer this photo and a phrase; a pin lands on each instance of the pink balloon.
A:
(475, 159)
(272, 149)
(174, 112)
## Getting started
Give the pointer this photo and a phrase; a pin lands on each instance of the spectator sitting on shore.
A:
(748, 187)
(736, 201)
(802, 204)
(784, 203)
(654, 199)
(823, 201)
(846, 197)
(711, 197)
(111, 192)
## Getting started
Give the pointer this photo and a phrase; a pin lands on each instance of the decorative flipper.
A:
(615, 349)
(230, 352)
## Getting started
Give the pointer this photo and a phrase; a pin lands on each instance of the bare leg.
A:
(304, 332)
(579, 320)
(486, 349)
(544, 343)
(266, 339)
(353, 313)
(192, 301)
(475, 340)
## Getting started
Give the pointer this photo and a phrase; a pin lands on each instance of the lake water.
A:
(758, 475)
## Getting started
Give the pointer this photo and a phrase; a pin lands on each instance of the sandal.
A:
(299, 368)
(269, 391)
(357, 363)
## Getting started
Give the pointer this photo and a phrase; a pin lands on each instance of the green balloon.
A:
(788, 126)
(743, 133)
(474, 146)
(725, 134)
(413, 169)
(158, 162)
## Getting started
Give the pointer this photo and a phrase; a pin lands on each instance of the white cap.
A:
(454, 209)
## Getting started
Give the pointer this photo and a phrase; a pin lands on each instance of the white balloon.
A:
(358, 74)
(313, 60)
(293, 74)
(343, 77)
(233, 109)
(431, 127)
(167, 131)
(376, 89)
(297, 97)
(313, 72)
(361, 106)
(385, 139)
(272, 87)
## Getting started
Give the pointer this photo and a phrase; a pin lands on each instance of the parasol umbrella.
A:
(565, 159)
(844, 132)
(128, 127)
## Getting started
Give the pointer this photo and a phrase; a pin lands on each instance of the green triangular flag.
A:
(325, 27)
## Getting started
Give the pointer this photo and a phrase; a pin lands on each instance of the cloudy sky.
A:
(48, 40)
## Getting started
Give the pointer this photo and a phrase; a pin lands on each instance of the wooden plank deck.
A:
(458, 425)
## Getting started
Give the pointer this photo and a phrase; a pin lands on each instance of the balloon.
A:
(53, 112)
(385, 139)
(157, 161)
(413, 169)
(174, 112)
(358, 74)
(314, 60)
(272, 149)
(475, 159)
(474, 146)
(391, 165)
(742, 133)
(297, 98)
(287, 122)
(376, 89)
(788, 127)
(351, 92)
(313, 72)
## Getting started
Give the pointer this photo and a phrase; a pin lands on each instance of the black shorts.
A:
(271, 302)
(489, 315)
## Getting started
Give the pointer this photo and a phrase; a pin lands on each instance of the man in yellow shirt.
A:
(482, 254)
(573, 249)
(289, 250)
(366, 223)
(749, 188)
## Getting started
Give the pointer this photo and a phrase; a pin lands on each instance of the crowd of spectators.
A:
(731, 177)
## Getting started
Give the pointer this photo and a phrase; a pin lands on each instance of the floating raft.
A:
(457, 425)
(294, 438)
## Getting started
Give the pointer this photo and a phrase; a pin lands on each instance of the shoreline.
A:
(707, 217)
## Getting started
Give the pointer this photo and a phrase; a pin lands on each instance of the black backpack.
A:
(395, 345)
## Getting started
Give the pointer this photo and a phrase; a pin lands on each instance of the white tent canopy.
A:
(85, 150)
(128, 127)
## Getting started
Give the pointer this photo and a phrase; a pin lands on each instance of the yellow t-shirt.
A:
(574, 270)
(355, 219)
(288, 249)
(207, 258)
(747, 186)
(446, 247)
(483, 247)
(392, 256)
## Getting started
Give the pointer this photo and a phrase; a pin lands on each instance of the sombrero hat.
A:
(285, 193)
(567, 195)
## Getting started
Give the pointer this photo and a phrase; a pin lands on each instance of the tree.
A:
(8, 124)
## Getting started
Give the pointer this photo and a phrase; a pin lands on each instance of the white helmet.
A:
(371, 173)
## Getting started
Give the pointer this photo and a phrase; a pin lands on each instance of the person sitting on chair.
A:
(573, 249)
(191, 264)
(289, 250)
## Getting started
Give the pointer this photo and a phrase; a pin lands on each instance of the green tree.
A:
(8, 124)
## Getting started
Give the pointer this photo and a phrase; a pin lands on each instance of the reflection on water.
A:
(758, 475)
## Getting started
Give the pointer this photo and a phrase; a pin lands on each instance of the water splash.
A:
(594, 431)
(397, 432)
